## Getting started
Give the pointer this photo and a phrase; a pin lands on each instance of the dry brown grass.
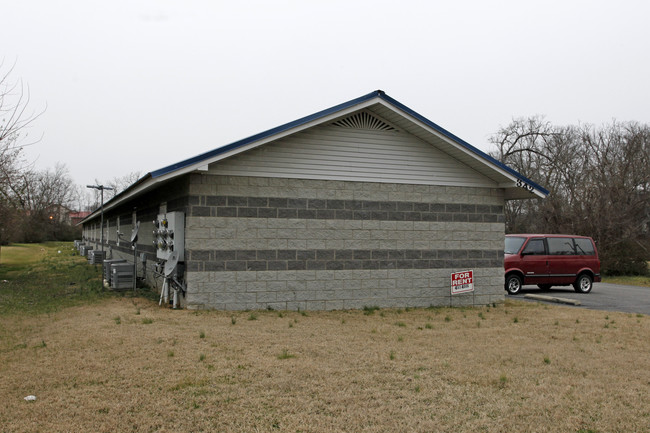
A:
(127, 365)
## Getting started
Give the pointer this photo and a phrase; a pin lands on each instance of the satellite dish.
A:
(170, 264)
(134, 234)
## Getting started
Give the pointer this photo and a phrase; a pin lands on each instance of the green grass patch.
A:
(190, 383)
(286, 355)
(45, 278)
(370, 310)
(17, 257)
(631, 280)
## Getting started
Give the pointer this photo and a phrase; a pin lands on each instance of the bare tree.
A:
(617, 197)
(46, 199)
(14, 117)
(118, 184)
(49, 188)
(14, 121)
(533, 146)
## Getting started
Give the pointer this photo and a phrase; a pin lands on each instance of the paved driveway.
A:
(603, 296)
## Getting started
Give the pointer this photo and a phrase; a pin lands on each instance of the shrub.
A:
(624, 258)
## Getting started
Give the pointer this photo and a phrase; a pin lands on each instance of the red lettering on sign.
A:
(462, 282)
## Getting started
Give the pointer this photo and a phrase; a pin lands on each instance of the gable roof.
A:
(515, 184)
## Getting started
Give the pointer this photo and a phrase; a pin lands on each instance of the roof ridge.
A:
(379, 94)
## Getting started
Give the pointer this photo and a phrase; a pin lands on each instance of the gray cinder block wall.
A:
(287, 244)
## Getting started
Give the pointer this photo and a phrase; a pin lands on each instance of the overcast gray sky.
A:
(137, 85)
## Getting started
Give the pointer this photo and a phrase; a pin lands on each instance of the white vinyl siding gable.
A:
(332, 152)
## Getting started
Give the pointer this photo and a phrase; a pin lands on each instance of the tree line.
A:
(599, 183)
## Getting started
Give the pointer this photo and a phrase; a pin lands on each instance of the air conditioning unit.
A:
(107, 269)
(96, 257)
(121, 276)
(79, 245)
(85, 249)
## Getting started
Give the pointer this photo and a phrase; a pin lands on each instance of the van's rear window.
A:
(584, 247)
(513, 244)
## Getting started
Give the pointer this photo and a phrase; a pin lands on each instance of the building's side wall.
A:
(259, 242)
(169, 197)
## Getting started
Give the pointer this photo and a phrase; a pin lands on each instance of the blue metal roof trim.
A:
(462, 142)
(377, 93)
(262, 135)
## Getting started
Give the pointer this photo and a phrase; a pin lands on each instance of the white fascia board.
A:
(520, 184)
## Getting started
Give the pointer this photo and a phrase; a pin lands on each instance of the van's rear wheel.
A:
(513, 284)
(583, 284)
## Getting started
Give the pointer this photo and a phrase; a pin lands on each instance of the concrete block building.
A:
(367, 203)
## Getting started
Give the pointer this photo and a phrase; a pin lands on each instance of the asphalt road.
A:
(603, 296)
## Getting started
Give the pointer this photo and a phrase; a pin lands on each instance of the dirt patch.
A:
(128, 365)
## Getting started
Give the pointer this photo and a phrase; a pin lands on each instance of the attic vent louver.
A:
(364, 120)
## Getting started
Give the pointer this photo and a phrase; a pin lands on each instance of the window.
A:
(584, 247)
(561, 246)
(535, 247)
(513, 245)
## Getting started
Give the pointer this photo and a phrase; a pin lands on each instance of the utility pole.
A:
(101, 188)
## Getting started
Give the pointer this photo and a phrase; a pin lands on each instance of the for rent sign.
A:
(462, 282)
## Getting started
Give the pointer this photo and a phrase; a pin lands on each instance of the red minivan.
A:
(550, 260)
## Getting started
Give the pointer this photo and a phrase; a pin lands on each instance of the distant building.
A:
(77, 217)
(58, 213)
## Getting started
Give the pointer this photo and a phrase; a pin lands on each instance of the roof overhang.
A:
(516, 186)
